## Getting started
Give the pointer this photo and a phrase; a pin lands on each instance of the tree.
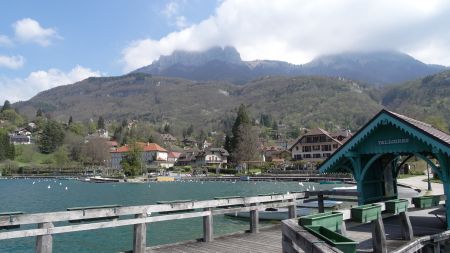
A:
(166, 129)
(131, 163)
(246, 148)
(100, 123)
(70, 121)
(242, 119)
(7, 149)
(61, 157)
(39, 113)
(97, 151)
(6, 106)
(51, 138)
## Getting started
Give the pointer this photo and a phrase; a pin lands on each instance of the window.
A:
(309, 139)
(306, 148)
(335, 146)
(326, 147)
(316, 147)
(297, 157)
(296, 148)
(326, 154)
(323, 138)
(307, 156)
(316, 155)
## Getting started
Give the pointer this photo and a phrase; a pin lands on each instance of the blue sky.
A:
(47, 43)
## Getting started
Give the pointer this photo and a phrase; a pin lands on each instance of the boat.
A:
(98, 179)
(244, 178)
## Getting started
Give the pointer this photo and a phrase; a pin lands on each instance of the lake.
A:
(32, 196)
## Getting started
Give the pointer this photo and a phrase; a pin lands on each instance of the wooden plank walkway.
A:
(267, 240)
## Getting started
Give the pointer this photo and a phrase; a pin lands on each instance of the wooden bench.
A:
(10, 214)
(90, 208)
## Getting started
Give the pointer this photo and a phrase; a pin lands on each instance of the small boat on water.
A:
(99, 179)
(330, 182)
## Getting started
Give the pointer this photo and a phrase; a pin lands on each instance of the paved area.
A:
(418, 182)
(267, 241)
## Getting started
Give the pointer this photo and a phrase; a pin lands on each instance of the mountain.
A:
(383, 67)
(225, 64)
(299, 101)
(427, 98)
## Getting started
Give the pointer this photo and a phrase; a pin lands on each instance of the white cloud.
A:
(19, 89)
(12, 62)
(5, 41)
(181, 22)
(171, 9)
(297, 31)
(29, 30)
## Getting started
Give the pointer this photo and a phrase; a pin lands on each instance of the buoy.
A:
(66, 188)
(48, 187)
(34, 182)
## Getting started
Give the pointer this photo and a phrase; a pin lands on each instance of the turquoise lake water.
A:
(23, 195)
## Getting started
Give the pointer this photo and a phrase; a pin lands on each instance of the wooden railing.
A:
(141, 215)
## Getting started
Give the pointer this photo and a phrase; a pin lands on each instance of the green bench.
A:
(90, 208)
(396, 206)
(334, 239)
(10, 214)
(426, 201)
(330, 220)
(366, 213)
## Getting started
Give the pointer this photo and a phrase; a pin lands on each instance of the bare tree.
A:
(97, 151)
(246, 145)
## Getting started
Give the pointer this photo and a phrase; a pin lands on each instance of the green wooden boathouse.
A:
(375, 154)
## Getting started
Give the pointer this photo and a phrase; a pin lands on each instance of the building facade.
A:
(318, 144)
(152, 155)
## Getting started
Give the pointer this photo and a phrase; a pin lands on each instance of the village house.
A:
(152, 155)
(172, 158)
(188, 157)
(19, 139)
(276, 154)
(168, 139)
(318, 144)
(212, 157)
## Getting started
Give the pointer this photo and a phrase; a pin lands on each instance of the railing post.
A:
(406, 228)
(44, 243)
(254, 219)
(378, 236)
(140, 235)
(208, 232)
(292, 211)
(320, 202)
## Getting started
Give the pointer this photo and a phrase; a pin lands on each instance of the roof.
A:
(146, 147)
(435, 138)
(316, 131)
(174, 154)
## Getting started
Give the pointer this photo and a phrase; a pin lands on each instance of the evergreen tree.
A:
(7, 149)
(70, 121)
(51, 138)
(131, 163)
(100, 123)
(227, 146)
(6, 106)
(39, 113)
(242, 119)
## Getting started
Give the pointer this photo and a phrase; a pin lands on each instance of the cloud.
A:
(19, 89)
(181, 22)
(171, 9)
(29, 30)
(297, 31)
(5, 41)
(12, 62)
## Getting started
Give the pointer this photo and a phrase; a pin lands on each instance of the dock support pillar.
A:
(292, 209)
(378, 236)
(44, 243)
(320, 203)
(343, 228)
(406, 228)
(140, 235)
(254, 220)
(208, 231)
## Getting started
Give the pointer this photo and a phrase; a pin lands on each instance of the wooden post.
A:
(292, 210)
(208, 232)
(406, 228)
(378, 236)
(44, 243)
(320, 203)
(254, 220)
(140, 235)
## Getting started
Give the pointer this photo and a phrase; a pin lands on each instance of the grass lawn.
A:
(400, 176)
(433, 180)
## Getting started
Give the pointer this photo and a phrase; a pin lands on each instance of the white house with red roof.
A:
(152, 155)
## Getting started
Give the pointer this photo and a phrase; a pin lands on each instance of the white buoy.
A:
(60, 183)
(34, 182)
(66, 188)
(48, 187)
